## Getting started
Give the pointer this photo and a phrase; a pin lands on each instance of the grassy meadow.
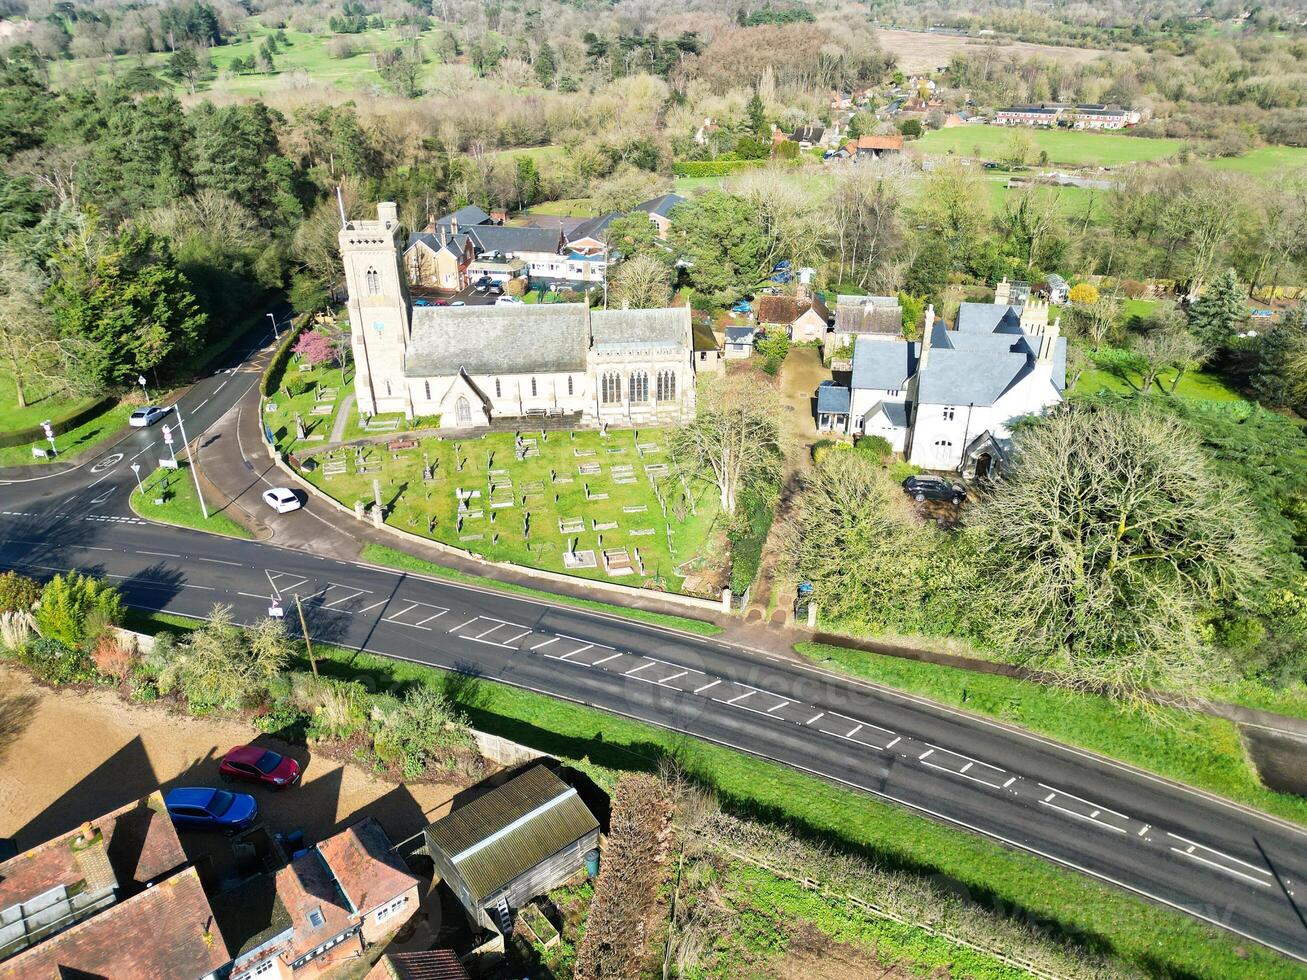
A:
(1073, 148)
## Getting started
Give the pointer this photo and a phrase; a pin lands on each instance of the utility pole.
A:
(304, 628)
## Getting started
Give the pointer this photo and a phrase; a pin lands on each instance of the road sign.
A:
(167, 436)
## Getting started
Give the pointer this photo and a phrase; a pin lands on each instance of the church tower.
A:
(372, 252)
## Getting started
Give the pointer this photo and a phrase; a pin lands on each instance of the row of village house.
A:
(467, 244)
(119, 898)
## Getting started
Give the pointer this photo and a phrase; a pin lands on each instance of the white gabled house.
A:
(950, 401)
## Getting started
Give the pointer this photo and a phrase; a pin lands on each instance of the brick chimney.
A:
(925, 339)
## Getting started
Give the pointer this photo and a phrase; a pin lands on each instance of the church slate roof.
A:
(883, 364)
(625, 329)
(516, 339)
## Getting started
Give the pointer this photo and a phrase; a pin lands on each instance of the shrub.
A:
(748, 534)
(1083, 293)
(824, 447)
(900, 471)
(419, 730)
(1134, 289)
(711, 168)
(877, 447)
(18, 593)
(75, 608)
(114, 658)
(55, 663)
(16, 629)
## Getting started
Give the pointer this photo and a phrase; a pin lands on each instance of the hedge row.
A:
(61, 424)
(277, 366)
(713, 168)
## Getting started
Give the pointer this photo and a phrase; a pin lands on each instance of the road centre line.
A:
(1221, 867)
(159, 554)
(1081, 816)
(1228, 857)
(962, 775)
(219, 561)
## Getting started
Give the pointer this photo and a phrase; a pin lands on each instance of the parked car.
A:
(507, 301)
(934, 488)
(458, 302)
(421, 302)
(148, 415)
(282, 499)
(255, 764)
(206, 808)
(442, 302)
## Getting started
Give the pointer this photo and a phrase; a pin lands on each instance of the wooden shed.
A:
(512, 844)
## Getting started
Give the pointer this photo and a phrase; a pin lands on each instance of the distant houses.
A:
(868, 148)
(1083, 116)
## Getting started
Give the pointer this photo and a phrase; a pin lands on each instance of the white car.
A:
(282, 499)
(148, 415)
(508, 301)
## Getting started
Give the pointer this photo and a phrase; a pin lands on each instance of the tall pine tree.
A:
(1214, 315)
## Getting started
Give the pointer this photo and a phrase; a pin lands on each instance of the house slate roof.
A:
(808, 134)
(519, 339)
(661, 205)
(596, 228)
(967, 377)
(499, 836)
(896, 412)
(465, 216)
(1055, 281)
(508, 238)
(833, 399)
(366, 869)
(613, 330)
(157, 934)
(432, 964)
(988, 317)
(455, 244)
(739, 335)
(883, 364)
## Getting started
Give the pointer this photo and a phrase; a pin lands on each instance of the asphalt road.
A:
(1209, 858)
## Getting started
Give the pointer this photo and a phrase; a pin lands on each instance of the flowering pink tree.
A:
(314, 347)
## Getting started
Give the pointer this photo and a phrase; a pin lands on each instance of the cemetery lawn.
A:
(326, 388)
(559, 504)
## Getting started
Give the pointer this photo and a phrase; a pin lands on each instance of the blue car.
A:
(205, 808)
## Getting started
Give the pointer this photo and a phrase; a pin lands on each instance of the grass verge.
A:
(181, 506)
(1195, 749)
(379, 554)
(86, 436)
(1156, 941)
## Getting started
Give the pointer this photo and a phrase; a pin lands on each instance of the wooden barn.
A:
(516, 842)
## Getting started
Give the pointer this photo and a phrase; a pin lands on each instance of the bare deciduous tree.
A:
(1107, 547)
(641, 283)
(734, 434)
(1169, 347)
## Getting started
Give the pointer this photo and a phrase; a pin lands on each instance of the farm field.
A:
(917, 51)
(1266, 161)
(1068, 147)
(574, 492)
(305, 53)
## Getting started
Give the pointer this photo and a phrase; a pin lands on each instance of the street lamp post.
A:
(136, 471)
(194, 472)
(275, 335)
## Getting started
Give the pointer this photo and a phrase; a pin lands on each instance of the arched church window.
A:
(426, 386)
(498, 392)
(373, 280)
(611, 388)
(666, 385)
(569, 384)
(533, 386)
(462, 411)
(639, 386)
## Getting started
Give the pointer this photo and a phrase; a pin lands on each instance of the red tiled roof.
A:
(306, 886)
(166, 932)
(368, 872)
(133, 845)
(435, 964)
(777, 309)
(875, 143)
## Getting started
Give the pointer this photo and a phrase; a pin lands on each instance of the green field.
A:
(179, 504)
(305, 53)
(1268, 161)
(1069, 147)
(514, 509)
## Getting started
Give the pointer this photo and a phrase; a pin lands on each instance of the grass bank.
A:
(1195, 749)
(179, 504)
(1083, 913)
(379, 554)
(86, 436)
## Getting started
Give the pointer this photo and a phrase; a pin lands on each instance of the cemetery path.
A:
(342, 419)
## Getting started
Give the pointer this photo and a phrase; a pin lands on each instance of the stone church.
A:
(472, 365)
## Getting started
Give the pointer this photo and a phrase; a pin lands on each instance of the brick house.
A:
(326, 906)
(803, 318)
(116, 897)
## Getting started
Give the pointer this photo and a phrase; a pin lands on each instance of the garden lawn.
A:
(321, 380)
(573, 207)
(1193, 748)
(1069, 147)
(537, 493)
(85, 436)
(1195, 384)
(40, 405)
(379, 554)
(176, 488)
(1073, 203)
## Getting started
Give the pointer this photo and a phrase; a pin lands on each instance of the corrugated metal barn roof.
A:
(511, 829)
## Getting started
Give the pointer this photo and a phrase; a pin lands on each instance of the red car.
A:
(259, 765)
